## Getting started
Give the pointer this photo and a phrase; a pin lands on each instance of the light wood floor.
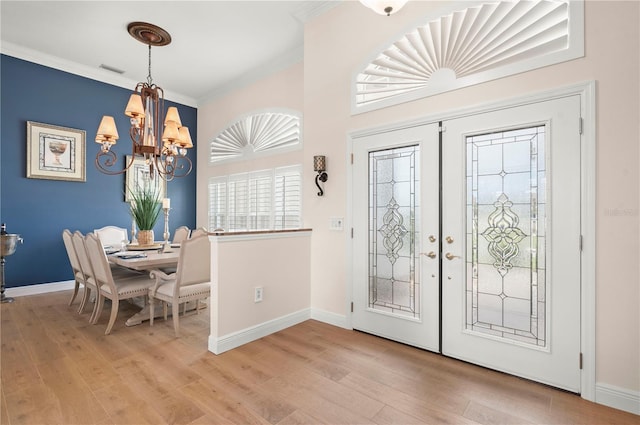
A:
(58, 369)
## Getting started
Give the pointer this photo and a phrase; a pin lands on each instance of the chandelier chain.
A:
(149, 79)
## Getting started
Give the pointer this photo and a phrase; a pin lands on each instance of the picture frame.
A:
(55, 152)
(137, 177)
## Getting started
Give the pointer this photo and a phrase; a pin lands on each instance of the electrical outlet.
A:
(257, 295)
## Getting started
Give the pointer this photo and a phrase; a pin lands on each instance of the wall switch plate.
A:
(336, 223)
(257, 296)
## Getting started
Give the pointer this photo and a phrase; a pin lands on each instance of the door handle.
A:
(449, 239)
(449, 256)
(432, 238)
(429, 254)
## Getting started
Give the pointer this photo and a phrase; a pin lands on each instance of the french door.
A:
(396, 215)
(467, 240)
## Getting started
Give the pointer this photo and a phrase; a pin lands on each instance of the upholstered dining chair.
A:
(190, 282)
(109, 286)
(112, 236)
(181, 234)
(76, 268)
(77, 239)
(198, 232)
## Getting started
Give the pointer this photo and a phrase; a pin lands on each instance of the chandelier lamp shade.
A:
(384, 7)
(157, 136)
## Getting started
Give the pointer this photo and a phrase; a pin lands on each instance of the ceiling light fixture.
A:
(384, 7)
(158, 137)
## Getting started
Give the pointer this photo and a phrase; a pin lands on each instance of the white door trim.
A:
(587, 93)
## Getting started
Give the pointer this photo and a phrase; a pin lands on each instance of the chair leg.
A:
(164, 309)
(75, 292)
(175, 310)
(152, 312)
(98, 309)
(114, 313)
(85, 298)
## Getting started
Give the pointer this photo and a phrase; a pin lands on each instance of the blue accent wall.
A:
(39, 210)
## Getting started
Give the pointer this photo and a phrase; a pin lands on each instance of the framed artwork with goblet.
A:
(55, 153)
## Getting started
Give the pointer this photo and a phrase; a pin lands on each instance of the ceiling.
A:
(216, 45)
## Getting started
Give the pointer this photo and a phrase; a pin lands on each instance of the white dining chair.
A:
(181, 234)
(112, 236)
(77, 240)
(190, 282)
(198, 232)
(109, 286)
(76, 268)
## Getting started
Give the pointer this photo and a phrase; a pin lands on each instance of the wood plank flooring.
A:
(58, 369)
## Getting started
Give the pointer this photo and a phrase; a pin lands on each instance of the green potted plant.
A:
(145, 210)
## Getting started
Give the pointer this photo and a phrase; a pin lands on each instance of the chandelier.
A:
(384, 7)
(159, 138)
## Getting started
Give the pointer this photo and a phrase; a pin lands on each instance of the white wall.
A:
(337, 43)
(276, 262)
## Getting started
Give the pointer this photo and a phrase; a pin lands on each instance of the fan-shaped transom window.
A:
(480, 43)
(258, 132)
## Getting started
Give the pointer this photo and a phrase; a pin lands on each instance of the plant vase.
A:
(145, 237)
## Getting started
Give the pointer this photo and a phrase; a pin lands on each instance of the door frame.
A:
(587, 93)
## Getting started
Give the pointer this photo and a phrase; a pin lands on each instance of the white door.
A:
(511, 209)
(395, 251)
(509, 189)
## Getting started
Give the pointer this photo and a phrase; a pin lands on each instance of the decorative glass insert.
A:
(258, 132)
(483, 42)
(394, 285)
(506, 204)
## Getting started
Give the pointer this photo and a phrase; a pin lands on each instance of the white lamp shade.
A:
(170, 133)
(384, 7)
(107, 130)
(185, 137)
(134, 107)
(172, 116)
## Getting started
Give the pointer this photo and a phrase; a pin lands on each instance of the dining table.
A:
(143, 260)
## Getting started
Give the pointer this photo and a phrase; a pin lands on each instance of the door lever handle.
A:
(449, 256)
(429, 254)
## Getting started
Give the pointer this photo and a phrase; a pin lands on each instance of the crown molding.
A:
(96, 74)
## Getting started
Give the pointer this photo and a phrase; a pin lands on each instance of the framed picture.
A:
(138, 178)
(55, 153)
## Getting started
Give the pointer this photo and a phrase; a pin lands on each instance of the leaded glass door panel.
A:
(395, 201)
(511, 214)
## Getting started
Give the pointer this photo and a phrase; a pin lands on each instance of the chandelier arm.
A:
(109, 159)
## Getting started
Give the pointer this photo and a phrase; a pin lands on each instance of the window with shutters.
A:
(260, 200)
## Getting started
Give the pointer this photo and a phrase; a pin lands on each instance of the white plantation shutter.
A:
(238, 202)
(288, 199)
(260, 200)
(218, 203)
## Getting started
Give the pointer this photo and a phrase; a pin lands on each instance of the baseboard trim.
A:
(41, 288)
(236, 339)
(330, 318)
(618, 398)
